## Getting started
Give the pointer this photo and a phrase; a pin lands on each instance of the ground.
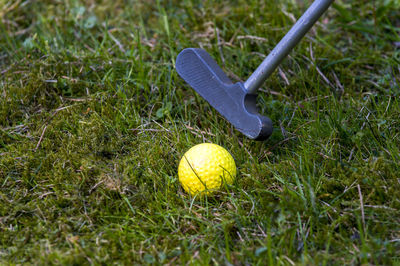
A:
(94, 120)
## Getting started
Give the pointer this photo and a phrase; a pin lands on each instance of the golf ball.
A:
(206, 167)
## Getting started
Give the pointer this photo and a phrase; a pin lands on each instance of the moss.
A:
(94, 120)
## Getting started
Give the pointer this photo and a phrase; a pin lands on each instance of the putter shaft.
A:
(282, 49)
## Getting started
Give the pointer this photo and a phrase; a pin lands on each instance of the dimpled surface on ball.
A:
(206, 166)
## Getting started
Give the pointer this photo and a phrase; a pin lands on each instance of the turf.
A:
(94, 120)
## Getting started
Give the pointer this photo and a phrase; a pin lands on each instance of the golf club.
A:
(237, 102)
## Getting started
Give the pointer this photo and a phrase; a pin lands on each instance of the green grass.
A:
(94, 120)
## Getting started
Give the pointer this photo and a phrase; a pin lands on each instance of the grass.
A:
(94, 120)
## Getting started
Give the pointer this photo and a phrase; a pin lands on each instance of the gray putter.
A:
(237, 102)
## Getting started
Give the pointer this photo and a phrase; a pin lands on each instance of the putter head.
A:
(232, 101)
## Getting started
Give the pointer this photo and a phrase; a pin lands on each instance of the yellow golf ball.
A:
(206, 167)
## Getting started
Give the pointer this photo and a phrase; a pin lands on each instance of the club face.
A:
(232, 101)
